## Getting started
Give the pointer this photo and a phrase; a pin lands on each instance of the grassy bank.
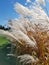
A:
(3, 40)
(4, 60)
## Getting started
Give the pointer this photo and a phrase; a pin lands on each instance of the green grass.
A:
(4, 59)
(3, 40)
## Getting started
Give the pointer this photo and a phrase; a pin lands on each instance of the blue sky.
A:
(7, 10)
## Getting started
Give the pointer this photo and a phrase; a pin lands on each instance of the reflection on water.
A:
(4, 60)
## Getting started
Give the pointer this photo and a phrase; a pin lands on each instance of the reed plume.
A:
(30, 34)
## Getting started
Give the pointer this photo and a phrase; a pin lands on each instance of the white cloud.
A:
(28, 1)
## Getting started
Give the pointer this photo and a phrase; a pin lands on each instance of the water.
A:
(4, 60)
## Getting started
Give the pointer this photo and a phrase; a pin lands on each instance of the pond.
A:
(4, 60)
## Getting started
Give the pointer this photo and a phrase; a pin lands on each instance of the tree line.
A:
(4, 28)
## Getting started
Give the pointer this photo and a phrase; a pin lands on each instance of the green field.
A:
(4, 60)
(3, 40)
